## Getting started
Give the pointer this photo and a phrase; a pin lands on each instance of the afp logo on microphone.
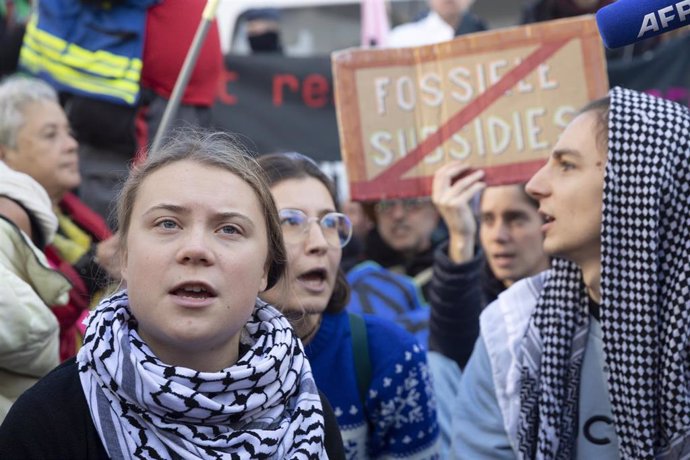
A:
(667, 17)
(627, 21)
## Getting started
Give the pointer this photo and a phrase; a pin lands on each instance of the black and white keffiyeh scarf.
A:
(645, 290)
(264, 406)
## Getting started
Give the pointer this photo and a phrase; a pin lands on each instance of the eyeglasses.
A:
(336, 227)
(408, 204)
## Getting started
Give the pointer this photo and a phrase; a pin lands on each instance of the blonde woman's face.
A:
(195, 261)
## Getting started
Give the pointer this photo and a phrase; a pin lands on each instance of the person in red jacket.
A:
(35, 139)
(170, 29)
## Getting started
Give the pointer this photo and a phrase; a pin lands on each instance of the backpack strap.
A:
(360, 352)
(423, 277)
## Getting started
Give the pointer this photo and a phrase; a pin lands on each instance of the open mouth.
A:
(317, 275)
(546, 218)
(194, 291)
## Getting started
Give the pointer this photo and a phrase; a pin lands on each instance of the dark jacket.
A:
(457, 296)
(470, 23)
(52, 421)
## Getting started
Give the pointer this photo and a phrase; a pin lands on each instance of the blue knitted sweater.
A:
(400, 416)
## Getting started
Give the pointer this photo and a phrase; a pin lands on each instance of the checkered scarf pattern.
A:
(645, 258)
(264, 406)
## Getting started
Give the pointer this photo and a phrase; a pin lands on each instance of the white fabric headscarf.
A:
(645, 298)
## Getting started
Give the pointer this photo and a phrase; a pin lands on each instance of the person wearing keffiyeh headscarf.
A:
(590, 358)
(185, 362)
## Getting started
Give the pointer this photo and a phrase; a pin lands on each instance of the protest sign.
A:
(497, 100)
(280, 103)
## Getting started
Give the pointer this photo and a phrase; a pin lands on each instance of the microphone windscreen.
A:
(627, 21)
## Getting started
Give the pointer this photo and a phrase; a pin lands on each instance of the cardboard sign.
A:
(497, 99)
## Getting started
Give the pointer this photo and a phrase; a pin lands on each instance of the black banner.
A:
(664, 72)
(279, 103)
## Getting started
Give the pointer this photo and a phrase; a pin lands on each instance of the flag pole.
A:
(207, 17)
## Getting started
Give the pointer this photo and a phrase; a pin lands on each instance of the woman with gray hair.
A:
(35, 138)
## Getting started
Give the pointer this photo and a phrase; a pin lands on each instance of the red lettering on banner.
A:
(315, 91)
(226, 77)
(280, 80)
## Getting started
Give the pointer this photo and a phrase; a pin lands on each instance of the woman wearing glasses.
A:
(394, 414)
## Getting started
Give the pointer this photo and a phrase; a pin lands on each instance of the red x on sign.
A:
(497, 100)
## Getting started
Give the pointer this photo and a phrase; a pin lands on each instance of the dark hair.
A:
(218, 150)
(268, 14)
(528, 199)
(601, 109)
(279, 167)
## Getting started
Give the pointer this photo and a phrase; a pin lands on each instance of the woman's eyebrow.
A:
(174, 208)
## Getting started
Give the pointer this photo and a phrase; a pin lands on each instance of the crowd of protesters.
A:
(200, 301)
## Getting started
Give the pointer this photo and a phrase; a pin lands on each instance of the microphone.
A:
(627, 21)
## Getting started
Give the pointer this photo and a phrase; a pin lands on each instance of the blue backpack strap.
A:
(360, 352)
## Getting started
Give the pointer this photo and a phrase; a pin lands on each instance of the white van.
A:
(308, 27)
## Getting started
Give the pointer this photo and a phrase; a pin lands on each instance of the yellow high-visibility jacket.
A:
(92, 50)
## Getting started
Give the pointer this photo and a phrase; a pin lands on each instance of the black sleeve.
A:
(51, 421)
(456, 301)
(333, 439)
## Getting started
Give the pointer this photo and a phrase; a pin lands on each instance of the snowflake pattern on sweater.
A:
(400, 416)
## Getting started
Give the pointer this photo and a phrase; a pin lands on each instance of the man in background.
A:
(445, 20)
(407, 232)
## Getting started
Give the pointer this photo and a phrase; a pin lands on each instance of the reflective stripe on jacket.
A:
(87, 50)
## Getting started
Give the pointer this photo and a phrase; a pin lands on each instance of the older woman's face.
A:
(45, 149)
